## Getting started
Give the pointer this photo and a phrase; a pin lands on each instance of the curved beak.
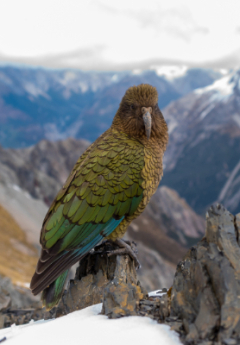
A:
(147, 119)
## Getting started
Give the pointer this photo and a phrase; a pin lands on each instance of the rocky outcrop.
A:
(18, 300)
(203, 303)
(101, 277)
(206, 288)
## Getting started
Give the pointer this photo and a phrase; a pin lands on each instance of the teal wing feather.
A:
(104, 187)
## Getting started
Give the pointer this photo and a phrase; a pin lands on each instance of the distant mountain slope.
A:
(41, 169)
(27, 211)
(38, 104)
(202, 158)
(18, 257)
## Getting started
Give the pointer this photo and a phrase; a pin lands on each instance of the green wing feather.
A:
(105, 183)
(103, 188)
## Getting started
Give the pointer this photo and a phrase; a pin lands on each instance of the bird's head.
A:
(139, 115)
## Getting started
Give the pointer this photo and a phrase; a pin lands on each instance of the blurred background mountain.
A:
(57, 96)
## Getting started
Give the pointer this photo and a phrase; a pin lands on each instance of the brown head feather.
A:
(144, 95)
(129, 117)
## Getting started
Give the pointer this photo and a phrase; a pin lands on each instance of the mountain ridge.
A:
(38, 104)
(204, 145)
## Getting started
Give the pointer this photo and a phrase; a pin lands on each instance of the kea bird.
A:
(109, 186)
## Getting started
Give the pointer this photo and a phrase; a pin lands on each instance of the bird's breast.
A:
(152, 172)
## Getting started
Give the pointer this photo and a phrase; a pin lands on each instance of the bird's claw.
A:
(130, 250)
(124, 247)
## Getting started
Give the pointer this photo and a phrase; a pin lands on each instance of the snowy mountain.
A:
(40, 104)
(202, 159)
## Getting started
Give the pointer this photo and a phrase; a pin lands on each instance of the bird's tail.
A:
(52, 294)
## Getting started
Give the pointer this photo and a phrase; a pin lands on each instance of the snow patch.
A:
(223, 86)
(172, 125)
(236, 118)
(137, 71)
(115, 78)
(52, 133)
(5, 79)
(158, 293)
(17, 188)
(25, 285)
(83, 86)
(69, 75)
(224, 71)
(207, 111)
(73, 129)
(35, 91)
(88, 326)
(170, 72)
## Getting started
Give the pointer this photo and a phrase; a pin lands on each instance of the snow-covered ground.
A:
(87, 327)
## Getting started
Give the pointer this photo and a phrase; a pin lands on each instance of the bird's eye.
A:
(132, 107)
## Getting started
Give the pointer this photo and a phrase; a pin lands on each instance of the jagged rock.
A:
(203, 305)
(98, 275)
(206, 288)
(16, 296)
(17, 304)
(121, 296)
(113, 281)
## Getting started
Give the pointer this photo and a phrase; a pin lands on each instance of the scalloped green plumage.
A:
(93, 199)
(87, 217)
(125, 207)
(68, 196)
(105, 198)
(76, 203)
(63, 230)
(109, 213)
(80, 211)
(101, 214)
(98, 168)
(80, 191)
(135, 203)
(54, 229)
(54, 219)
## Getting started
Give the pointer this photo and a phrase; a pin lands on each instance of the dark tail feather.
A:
(52, 294)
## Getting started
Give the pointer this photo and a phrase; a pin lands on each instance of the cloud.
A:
(88, 58)
(177, 22)
(105, 35)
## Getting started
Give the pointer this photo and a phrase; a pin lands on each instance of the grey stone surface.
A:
(206, 288)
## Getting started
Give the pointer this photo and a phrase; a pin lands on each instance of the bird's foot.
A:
(126, 247)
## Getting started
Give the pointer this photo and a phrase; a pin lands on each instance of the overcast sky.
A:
(112, 34)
